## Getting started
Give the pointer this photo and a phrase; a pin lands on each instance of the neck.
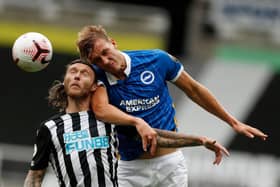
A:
(77, 104)
(121, 74)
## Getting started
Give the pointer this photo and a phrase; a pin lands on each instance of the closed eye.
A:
(105, 52)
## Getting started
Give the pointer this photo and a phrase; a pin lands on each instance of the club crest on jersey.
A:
(147, 77)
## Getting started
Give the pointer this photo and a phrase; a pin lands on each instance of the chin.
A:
(78, 95)
(75, 94)
(110, 70)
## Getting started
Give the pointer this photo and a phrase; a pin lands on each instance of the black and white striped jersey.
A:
(81, 150)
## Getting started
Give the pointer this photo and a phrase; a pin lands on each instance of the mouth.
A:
(75, 85)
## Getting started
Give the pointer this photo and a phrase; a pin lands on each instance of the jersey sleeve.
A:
(172, 66)
(41, 149)
(100, 75)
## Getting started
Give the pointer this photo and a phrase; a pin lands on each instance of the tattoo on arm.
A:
(173, 139)
(34, 178)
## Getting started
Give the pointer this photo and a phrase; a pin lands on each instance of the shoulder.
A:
(97, 69)
(51, 120)
(144, 52)
(148, 55)
(99, 72)
(55, 116)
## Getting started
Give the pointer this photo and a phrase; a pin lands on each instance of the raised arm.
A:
(111, 114)
(34, 178)
(173, 139)
(203, 97)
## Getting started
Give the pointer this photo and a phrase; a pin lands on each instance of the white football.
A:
(32, 51)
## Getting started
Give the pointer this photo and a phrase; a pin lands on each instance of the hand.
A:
(249, 131)
(217, 148)
(148, 135)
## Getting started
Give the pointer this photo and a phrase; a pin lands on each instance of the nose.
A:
(105, 60)
(77, 76)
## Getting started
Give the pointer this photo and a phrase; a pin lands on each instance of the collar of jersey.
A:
(113, 79)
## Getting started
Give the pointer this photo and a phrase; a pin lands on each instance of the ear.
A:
(93, 87)
(114, 42)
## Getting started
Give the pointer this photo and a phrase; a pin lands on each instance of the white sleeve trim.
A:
(178, 74)
(100, 83)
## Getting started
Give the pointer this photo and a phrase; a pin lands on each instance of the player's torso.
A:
(81, 141)
(144, 93)
(76, 132)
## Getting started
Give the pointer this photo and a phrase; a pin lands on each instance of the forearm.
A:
(169, 139)
(203, 97)
(174, 139)
(106, 112)
(34, 178)
(110, 114)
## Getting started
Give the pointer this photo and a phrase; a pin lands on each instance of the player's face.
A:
(107, 57)
(79, 80)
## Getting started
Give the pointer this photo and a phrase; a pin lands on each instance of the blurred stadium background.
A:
(232, 47)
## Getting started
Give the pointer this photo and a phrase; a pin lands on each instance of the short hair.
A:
(87, 37)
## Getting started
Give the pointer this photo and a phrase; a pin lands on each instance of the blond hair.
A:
(87, 37)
